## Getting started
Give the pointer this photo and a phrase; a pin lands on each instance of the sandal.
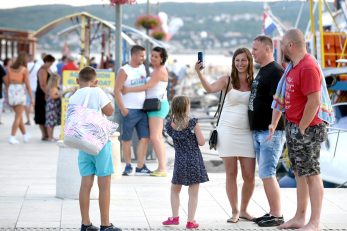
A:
(159, 174)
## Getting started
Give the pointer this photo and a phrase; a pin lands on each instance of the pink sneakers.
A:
(172, 221)
(175, 221)
(192, 225)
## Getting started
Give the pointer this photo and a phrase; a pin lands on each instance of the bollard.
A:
(68, 178)
(116, 158)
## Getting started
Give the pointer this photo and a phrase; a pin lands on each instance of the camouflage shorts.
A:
(304, 150)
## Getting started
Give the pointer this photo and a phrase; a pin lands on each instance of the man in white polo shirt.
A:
(130, 105)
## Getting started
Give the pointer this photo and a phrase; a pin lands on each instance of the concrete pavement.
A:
(28, 187)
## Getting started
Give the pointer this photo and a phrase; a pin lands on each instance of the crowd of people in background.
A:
(29, 86)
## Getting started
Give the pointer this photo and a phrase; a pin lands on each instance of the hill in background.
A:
(228, 24)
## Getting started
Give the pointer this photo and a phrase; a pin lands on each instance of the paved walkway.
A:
(28, 190)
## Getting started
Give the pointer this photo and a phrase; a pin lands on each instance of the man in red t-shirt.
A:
(304, 79)
(304, 130)
(70, 65)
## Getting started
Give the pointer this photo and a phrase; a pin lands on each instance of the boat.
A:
(333, 157)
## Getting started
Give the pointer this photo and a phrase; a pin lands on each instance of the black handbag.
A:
(213, 139)
(214, 134)
(152, 104)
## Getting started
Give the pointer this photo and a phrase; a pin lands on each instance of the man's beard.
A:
(286, 58)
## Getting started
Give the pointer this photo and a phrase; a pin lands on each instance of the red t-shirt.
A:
(70, 66)
(301, 81)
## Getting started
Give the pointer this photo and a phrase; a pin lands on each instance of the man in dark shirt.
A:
(260, 114)
(2, 75)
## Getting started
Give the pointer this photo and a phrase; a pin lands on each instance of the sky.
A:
(6, 4)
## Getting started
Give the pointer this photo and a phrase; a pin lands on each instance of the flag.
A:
(269, 25)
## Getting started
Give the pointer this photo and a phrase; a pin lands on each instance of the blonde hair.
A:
(53, 81)
(21, 60)
(180, 111)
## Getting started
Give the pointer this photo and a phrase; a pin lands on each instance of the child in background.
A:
(89, 165)
(189, 168)
(53, 106)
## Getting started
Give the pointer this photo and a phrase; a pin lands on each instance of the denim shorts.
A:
(304, 150)
(162, 113)
(137, 119)
(268, 152)
(28, 101)
(1, 105)
(99, 165)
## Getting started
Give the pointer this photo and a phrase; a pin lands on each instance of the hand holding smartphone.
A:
(201, 59)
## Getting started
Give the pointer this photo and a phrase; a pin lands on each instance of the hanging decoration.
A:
(122, 2)
(148, 22)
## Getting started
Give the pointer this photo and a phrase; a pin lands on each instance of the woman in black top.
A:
(41, 92)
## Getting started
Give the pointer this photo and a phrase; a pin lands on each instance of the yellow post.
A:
(312, 28)
(343, 52)
(83, 32)
(321, 32)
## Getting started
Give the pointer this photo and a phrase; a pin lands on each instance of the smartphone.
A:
(201, 58)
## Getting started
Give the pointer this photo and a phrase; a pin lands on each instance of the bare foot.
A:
(310, 227)
(246, 216)
(293, 223)
(234, 218)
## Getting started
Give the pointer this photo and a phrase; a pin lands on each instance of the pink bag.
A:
(86, 129)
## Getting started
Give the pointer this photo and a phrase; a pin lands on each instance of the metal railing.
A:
(338, 131)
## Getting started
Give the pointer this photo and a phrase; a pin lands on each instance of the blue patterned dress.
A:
(189, 166)
(53, 112)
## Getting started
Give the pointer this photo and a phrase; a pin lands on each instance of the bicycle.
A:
(166, 136)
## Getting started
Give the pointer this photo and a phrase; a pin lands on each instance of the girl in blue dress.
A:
(189, 168)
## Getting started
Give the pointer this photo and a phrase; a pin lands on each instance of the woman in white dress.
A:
(234, 135)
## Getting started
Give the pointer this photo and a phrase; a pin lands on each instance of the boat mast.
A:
(320, 11)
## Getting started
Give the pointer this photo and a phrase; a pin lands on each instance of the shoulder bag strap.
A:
(221, 105)
(32, 68)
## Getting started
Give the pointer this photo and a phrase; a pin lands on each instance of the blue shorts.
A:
(162, 113)
(99, 165)
(137, 119)
(268, 152)
(28, 101)
(1, 105)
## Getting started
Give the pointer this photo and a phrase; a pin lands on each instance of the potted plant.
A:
(158, 34)
(148, 22)
(122, 2)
